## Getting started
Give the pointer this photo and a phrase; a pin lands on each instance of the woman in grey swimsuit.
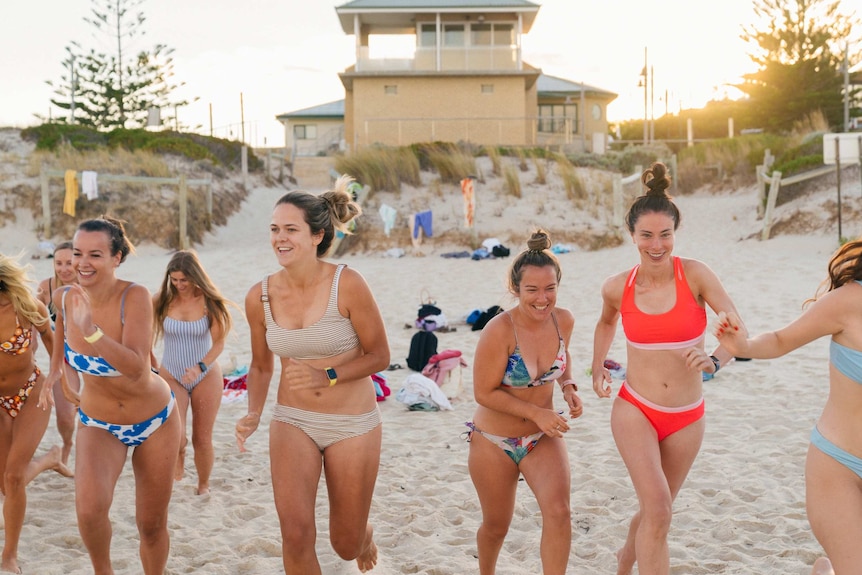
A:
(833, 468)
(192, 318)
(104, 330)
(322, 322)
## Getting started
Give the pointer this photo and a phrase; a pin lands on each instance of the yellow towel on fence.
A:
(71, 193)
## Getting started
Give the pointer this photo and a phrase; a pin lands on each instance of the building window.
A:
(390, 89)
(305, 132)
(453, 35)
(504, 35)
(487, 88)
(553, 118)
(428, 35)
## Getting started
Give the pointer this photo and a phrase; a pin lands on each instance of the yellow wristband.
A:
(95, 336)
(333, 377)
(569, 382)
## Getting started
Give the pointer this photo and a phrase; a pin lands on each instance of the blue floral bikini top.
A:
(517, 374)
(92, 364)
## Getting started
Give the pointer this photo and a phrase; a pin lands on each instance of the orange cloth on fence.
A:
(469, 201)
(71, 192)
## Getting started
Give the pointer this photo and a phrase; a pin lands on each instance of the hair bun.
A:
(540, 240)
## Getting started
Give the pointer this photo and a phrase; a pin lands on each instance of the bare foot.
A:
(10, 566)
(822, 567)
(54, 461)
(203, 489)
(368, 557)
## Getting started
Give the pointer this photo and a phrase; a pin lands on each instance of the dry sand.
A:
(740, 512)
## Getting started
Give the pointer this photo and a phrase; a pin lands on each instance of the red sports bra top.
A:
(681, 327)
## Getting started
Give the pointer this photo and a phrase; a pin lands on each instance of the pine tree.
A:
(110, 89)
(799, 54)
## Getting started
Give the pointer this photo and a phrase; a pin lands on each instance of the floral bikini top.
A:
(19, 343)
(517, 374)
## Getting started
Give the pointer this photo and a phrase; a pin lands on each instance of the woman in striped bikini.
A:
(322, 322)
(657, 419)
(191, 316)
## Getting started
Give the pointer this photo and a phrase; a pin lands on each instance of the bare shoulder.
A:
(351, 278)
(254, 294)
(614, 284)
(565, 318)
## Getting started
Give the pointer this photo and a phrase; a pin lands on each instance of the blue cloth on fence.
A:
(423, 220)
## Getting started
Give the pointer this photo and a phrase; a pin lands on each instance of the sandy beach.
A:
(741, 511)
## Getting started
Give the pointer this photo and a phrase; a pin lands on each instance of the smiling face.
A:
(91, 257)
(537, 294)
(180, 282)
(654, 237)
(63, 266)
(291, 236)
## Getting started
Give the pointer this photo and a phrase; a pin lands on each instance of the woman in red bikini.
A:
(657, 418)
(21, 423)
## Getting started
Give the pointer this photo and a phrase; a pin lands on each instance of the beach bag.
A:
(500, 251)
(423, 345)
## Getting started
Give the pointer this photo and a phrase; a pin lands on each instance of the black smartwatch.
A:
(203, 367)
(716, 363)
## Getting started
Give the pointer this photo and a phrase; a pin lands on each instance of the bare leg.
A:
(351, 467)
(546, 470)
(182, 406)
(65, 410)
(205, 402)
(153, 487)
(296, 464)
(833, 500)
(495, 477)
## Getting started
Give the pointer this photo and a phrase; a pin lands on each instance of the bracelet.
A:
(95, 336)
(567, 383)
(154, 370)
(331, 375)
(716, 363)
(202, 366)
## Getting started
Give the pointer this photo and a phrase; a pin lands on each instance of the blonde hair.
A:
(16, 283)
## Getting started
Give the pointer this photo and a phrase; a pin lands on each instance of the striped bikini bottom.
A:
(324, 429)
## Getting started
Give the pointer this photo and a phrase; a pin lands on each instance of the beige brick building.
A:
(465, 82)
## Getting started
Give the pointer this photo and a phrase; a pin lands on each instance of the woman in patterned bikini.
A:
(104, 330)
(191, 316)
(322, 322)
(22, 425)
(521, 358)
(64, 274)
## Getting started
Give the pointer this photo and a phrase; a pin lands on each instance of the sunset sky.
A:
(284, 55)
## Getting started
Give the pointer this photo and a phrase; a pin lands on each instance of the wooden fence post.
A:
(774, 184)
(46, 203)
(618, 198)
(209, 205)
(183, 201)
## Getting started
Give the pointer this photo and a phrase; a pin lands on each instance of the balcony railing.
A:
(462, 59)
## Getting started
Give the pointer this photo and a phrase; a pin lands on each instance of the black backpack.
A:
(485, 317)
(423, 345)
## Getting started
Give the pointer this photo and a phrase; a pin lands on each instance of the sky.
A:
(248, 62)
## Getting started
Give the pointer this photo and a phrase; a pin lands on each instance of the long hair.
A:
(845, 266)
(16, 283)
(329, 212)
(187, 262)
(539, 254)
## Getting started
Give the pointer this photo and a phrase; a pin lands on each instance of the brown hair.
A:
(539, 254)
(656, 199)
(328, 212)
(117, 239)
(845, 266)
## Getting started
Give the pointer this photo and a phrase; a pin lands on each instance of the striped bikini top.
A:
(331, 335)
(683, 326)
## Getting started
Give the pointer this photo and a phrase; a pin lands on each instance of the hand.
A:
(602, 382)
(698, 359)
(299, 375)
(244, 428)
(78, 309)
(730, 332)
(191, 374)
(551, 423)
(576, 405)
(46, 396)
